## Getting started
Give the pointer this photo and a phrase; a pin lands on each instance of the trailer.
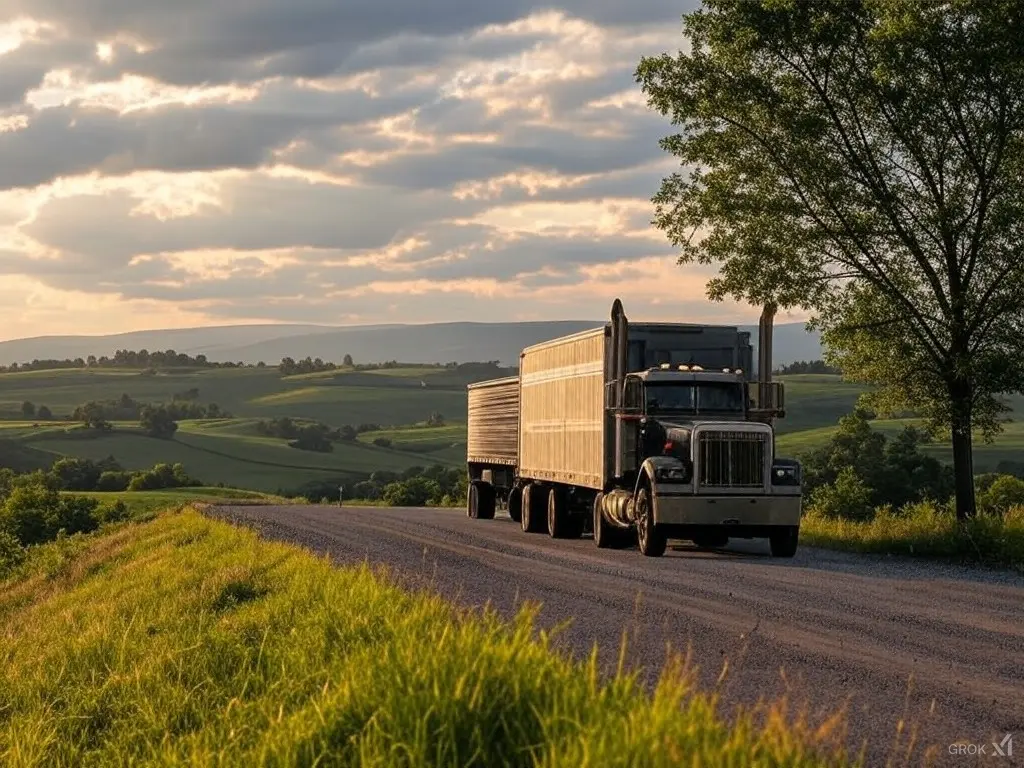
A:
(646, 431)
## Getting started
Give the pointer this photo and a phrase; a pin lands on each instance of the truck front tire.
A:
(784, 542)
(653, 542)
(606, 535)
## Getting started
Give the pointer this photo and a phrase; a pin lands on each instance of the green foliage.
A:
(860, 469)
(289, 367)
(158, 422)
(925, 530)
(43, 413)
(808, 366)
(123, 358)
(186, 641)
(162, 476)
(74, 474)
(12, 553)
(1003, 494)
(33, 513)
(865, 161)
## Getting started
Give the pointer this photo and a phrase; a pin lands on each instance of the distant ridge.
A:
(413, 343)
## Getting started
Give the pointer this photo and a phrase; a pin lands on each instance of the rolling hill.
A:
(234, 452)
(426, 343)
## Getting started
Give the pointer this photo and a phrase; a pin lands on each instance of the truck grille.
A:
(731, 459)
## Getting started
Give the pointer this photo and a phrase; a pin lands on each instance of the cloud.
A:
(330, 162)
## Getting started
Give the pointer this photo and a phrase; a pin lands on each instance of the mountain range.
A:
(427, 343)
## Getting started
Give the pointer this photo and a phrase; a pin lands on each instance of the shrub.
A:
(848, 497)
(113, 481)
(12, 554)
(1004, 493)
(382, 442)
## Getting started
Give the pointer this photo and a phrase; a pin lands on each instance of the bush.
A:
(415, 492)
(1004, 493)
(12, 554)
(847, 497)
(382, 442)
(113, 481)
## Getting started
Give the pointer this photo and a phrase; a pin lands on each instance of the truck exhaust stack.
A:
(620, 349)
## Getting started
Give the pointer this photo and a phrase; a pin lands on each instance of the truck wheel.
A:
(533, 519)
(473, 500)
(560, 524)
(486, 496)
(515, 503)
(606, 535)
(652, 541)
(784, 541)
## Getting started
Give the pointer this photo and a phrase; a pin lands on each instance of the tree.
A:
(158, 422)
(347, 361)
(28, 409)
(44, 413)
(863, 160)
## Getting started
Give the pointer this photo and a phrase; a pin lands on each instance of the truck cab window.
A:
(633, 398)
(669, 397)
(720, 398)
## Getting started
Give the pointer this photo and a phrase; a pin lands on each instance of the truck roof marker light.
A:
(696, 368)
(684, 367)
(738, 371)
(725, 370)
(665, 366)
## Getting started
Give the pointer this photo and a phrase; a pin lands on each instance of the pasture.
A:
(399, 400)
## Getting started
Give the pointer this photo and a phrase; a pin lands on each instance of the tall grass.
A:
(189, 641)
(924, 530)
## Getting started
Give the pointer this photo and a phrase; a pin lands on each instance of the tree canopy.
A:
(863, 160)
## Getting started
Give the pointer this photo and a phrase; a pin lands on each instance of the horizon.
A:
(344, 167)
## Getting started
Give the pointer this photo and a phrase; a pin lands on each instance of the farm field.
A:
(400, 400)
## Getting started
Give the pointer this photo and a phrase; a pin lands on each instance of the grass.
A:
(145, 502)
(186, 641)
(926, 532)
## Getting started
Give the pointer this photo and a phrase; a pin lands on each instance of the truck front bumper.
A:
(741, 512)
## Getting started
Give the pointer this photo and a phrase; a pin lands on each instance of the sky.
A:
(214, 162)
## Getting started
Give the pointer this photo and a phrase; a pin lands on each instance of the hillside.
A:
(427, 343)
(399, 400)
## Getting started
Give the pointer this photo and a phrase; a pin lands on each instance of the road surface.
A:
(939, 646)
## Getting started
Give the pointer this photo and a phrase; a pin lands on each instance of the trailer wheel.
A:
(783, 543)
(487, 499)
(515, 503)
(533, 520)
(561, 525)
(473, 500)
(652, 541)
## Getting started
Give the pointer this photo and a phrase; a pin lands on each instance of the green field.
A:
(141, 502)
(184, 641)
(233, 452)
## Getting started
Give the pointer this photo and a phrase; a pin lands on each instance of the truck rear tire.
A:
(488, 499)
(561, 525)
(653, 542)
(533, 519)
(784, 542)
(473, 500)
(515, 503)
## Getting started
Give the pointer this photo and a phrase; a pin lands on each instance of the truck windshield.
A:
(701, 398)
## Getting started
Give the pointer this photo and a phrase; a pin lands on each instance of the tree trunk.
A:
(960, 395)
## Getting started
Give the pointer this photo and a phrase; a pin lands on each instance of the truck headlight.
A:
(673, 474)
(785, 474)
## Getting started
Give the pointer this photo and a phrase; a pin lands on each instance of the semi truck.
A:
(638, 433)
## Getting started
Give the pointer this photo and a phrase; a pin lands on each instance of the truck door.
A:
(627, 427)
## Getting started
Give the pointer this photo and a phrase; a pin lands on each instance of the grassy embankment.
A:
(188, 641)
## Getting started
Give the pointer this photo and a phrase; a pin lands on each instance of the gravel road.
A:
(938, 646)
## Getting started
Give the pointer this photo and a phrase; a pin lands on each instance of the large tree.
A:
(863, 160)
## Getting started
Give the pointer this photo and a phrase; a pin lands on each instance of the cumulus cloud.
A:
(333, 162)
